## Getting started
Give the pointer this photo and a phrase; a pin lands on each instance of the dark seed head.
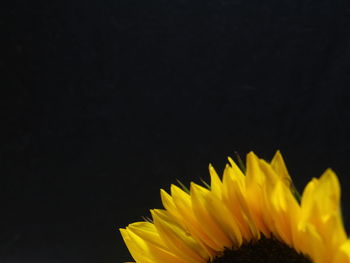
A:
(265, 250)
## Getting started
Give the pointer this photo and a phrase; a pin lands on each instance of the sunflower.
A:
(250, 215)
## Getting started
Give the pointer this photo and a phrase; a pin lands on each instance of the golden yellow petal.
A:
(285, 212)
(237, 173)
(234, 197)
(147, 231)
(310, 243)
(320, 206)
(199, 195)
(255, 183)
(278, 201)
(219, 210)
(216, 185)
(182, 200)
(343, 253)
(280, 168)
(177, 240)
(156, 250)
(254, 175)
(171, 207)
(136, 248)
(329, 185)
(222, 215)
(152, 244)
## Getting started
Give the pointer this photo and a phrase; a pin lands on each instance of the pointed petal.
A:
(199, 196)
(184, 205)
(137, 249)
(280, 168)
(255, 183)
(176, 239)
(216, 184)
(234, 196)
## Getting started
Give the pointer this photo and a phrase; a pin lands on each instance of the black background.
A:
(108, 101)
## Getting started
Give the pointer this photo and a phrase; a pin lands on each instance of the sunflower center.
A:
(262, 251)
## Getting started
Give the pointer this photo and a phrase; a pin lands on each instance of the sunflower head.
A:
(248, 215)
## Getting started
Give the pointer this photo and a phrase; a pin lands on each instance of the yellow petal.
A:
(137, 248)
(255, 183)
(234, 192)
(254, 174)
(147, 231)
(155, 246)
(310, 243)
(183, 203)
(277, 199)
(285, 211)
(236, 172)
(179, 242)
(171, 207)
(343, 253)
(216, 185)
(280, 168)
(320, 205)
(222, 215)
(199, 195)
